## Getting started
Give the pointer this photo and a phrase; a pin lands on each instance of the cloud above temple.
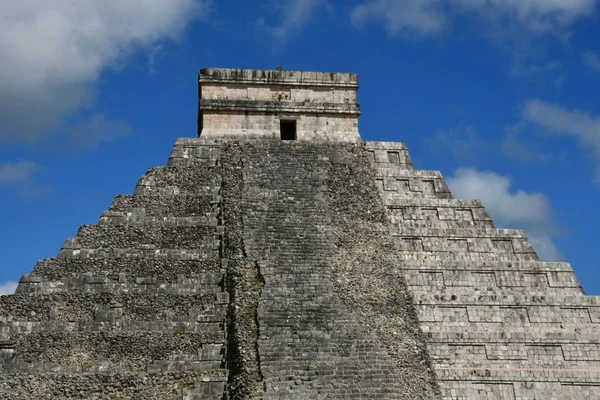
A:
(293, 16)
(509, 209)
(582, 126)
(421, 17)
(431, 17)
(53, 54)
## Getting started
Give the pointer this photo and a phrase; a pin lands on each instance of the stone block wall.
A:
(133, 307)
(249, 104)
(499, 323)
(293, 270)
(231, 273)
(315, 127)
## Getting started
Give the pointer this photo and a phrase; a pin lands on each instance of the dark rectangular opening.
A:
(287, 129)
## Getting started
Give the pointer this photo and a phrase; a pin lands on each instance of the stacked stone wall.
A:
(315, 337)
(133, 307)
(499, 323)
(274, 270)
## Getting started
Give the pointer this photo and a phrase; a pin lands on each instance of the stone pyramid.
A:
(278, 256)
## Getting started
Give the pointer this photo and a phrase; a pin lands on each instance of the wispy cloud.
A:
(8, 287)
(430, 17)
(576, 123)
(533, 16)
(420, 17)
(54, 52)
(19, 177)
(294, 16)
(509, 208)
(591, 60)
(17, 172)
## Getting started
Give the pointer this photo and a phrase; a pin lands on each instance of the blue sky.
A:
(500, 95)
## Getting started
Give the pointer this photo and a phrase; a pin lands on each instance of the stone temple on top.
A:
(286, 105)
(278, 256)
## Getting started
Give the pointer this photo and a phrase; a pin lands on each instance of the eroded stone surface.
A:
(270, 269)
(499, 323)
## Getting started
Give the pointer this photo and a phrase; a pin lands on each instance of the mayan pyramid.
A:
(278, 256)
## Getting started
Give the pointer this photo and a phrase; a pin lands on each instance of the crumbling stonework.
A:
(296, 269)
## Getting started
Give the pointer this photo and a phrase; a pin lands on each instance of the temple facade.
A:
(278, 256)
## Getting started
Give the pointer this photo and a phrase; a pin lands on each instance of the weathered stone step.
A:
(194, 363)
(189, 385)
(113, 218)
(586, 337)
(188, 151)
(525, 300)
(166, 206)
(208, 249)
(177, 180)
(428, 193)
(448, 205)
(400, 183)
(204, 283)
(497, 371)
(111, 321)
(512, 331)
(128, 269)
(399, 172)
(416, 255)
(517, 383)
(174, 237)
(458, 233)
(384, 154)
(69, 306)
(450, 224)
(130, 349)
(438, 213)
(485, 241)
(508, 313)
(492, 242)
(483, 265)
(490, 290)
(466, 279)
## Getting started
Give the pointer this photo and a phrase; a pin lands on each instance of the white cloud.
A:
(591, 60)
(19, 171)
(422, 17)
(428, 17)
(529, 211)
(295, 15)
(576, 123)
(52, 53)
(539, 16)
(8, 287)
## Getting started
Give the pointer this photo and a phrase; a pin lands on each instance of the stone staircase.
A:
(287, 270)
(311, 343)
(133, 307)
(499, 323)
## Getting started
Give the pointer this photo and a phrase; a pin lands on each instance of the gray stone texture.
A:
(310, 269)
(499, 323)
